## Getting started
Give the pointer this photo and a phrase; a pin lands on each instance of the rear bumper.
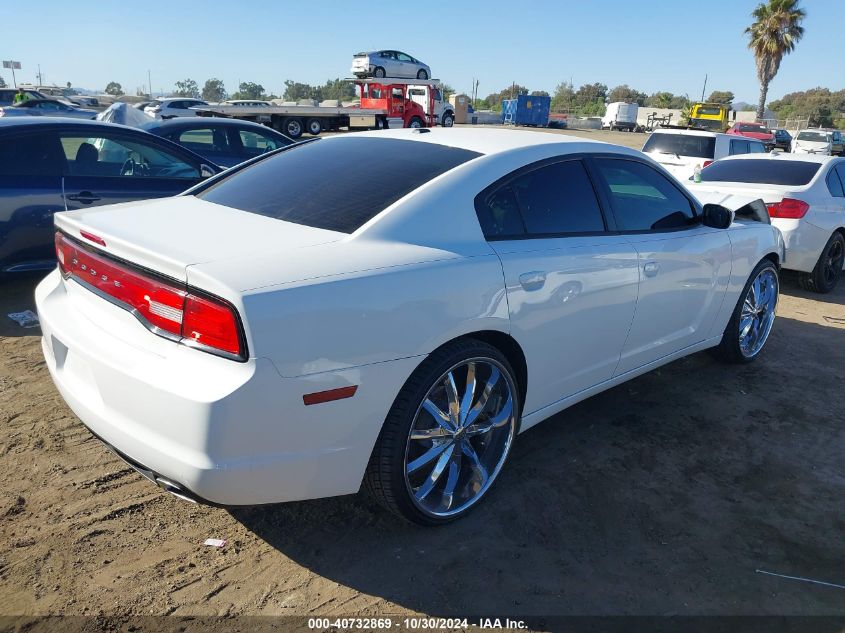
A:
(217, 431)
(803, 241)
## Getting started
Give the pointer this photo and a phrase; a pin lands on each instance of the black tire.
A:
(385, 476)
(293, 127)
(729, 349)
(379, 72)
(416, 122)
(828, 269)
(422, 74)
(448, 120)
(314, 126)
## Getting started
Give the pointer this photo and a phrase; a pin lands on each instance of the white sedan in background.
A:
(172, 107)
(805, 195)
(265, 337)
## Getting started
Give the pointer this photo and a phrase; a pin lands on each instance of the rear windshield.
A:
(681, 144)
(336, 185)
(754, 128)
(818, 137)
(765, 172)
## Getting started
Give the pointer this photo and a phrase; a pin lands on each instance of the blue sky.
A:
(662, 45)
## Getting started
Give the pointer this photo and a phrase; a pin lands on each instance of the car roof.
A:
(687, 132)
(782, 156)
(200, 122)
(482, 141)
(166, 99)
(54, 121)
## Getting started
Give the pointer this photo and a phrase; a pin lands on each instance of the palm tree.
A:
(774, 33)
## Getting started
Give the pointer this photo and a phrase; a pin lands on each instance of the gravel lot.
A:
(661, 496)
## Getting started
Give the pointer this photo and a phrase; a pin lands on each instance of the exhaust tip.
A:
(173, 488)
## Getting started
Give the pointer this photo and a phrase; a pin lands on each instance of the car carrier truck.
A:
(384, 103)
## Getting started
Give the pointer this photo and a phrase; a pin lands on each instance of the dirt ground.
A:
(661, 496)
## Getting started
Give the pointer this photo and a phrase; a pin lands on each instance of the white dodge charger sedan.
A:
(388, 308)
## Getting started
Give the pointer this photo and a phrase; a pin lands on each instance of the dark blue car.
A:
(49, 165)
(226, 142)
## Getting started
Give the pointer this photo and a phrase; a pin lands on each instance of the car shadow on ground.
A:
(789, 286)
(17, 294)
(660, 496)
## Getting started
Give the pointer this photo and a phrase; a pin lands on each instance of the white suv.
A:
(173, 107)
(680, 150)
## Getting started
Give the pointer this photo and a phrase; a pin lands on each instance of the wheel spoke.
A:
(495, 374)
(436, 433)
(431, 454)
(428, 485)
(452, 480)
(454, 401)
(475, 462)
(500, 419)
(439, 416)
(469, 394)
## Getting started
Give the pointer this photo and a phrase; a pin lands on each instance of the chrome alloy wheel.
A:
(460, 437)
(758, 312)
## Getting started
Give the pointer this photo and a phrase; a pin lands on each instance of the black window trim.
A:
(834, 172)
(483, 197)
(604, 192)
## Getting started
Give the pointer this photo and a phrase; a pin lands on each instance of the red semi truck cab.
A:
(393, 99)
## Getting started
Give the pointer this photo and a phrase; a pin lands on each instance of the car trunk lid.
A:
(170, 234)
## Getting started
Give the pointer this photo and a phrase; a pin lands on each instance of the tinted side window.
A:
(739, 147)
(499, 215)
(116, 155)
(840, 170)
(206, 139)
(642, 198)
(31, 155)
(834, 184)
(757, 148)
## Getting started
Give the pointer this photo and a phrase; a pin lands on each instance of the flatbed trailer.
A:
(384, 103)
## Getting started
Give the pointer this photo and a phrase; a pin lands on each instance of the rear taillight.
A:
(788, 208)
(166, 308)
(707, 162)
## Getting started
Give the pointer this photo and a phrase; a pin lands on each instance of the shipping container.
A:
(526, 110)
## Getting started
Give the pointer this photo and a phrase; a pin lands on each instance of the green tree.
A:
(774, 33)
(722, 97)
(214, 90)
(540, 93)
(627, 94)
(335, 89)
(2, 83)
(294, 91)
(563, 98)
(821, 106)
(187, 88)
(660, 100)
(590, 99)
(250, 90)
(114, 89)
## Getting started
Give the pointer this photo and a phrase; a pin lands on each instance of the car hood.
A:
(168, 235)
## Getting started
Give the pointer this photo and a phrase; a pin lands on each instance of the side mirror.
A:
(206, 171)
(716, 216)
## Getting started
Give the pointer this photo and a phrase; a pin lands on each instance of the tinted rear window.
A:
(336, 185)
(681, 144)
(765, 172)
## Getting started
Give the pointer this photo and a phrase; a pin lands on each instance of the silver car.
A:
(49, 107)
(389, 63)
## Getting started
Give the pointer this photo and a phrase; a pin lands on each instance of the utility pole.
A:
(150, 83)
(40, 83)
(704, 88)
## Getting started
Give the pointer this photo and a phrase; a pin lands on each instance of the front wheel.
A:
(422, 74)
(447, 436)
(753, 317)
(415, 122)
(828, 269)
(379, 72)
(448, 120)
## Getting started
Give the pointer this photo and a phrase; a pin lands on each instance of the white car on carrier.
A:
(265, 337)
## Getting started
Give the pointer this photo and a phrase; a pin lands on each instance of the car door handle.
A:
(533, 280)
(85, 197)
(651, 268)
